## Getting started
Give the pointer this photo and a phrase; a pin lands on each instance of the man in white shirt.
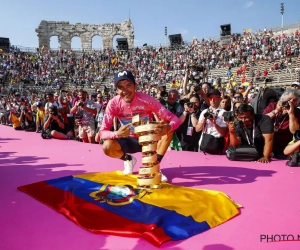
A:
(211, 120)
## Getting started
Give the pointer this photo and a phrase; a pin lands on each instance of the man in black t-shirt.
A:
(54, 123)
(242, 133)
(26, 119)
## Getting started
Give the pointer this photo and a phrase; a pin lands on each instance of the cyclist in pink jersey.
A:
(120, 144)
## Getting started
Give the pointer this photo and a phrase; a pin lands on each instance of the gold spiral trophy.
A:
(149, 174)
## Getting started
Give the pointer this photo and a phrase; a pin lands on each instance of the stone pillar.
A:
(130, 42)
(86, 42)
(107, 42)
(44, 41)
(65, 42)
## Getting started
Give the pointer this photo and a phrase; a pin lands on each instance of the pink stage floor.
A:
(269, 194)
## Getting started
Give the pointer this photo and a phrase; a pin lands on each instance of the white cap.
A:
(295, 83)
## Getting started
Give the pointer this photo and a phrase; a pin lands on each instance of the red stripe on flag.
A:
(92, 217)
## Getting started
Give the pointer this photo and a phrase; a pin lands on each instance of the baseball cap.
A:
(22, 99)
(56, 95)
(39, 104)
(123, 75)
(214, 92)
(296, 83)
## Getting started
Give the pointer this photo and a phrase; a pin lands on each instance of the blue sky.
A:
(191, 18)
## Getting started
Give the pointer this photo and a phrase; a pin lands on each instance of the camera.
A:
(53, 111)
(46, 134)
(197, 88)
(208, 115)
(190, 104)
(294, 160)
(228, 116)
(286, 104)
(239, 124)
(297, 136)
(81, 104)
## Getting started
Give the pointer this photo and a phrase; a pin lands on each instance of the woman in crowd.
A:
(226, 103)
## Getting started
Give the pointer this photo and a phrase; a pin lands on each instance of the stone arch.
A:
(96, 44)
(67, 31)
(53, 42)
(76, 42)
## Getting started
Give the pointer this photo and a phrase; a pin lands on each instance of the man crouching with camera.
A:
(54, 126)
(85, 111)
(254, 131)
(212, 125)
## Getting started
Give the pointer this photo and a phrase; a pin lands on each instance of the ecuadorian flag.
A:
(111, 203)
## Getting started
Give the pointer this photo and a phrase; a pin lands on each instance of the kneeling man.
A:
(128, 103)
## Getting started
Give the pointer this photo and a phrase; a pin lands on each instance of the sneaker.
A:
(129, 165)
(163, 177)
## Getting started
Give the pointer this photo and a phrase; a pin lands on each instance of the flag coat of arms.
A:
(111, 203)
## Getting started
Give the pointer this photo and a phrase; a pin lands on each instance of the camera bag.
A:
(210, 144)
(242, 153)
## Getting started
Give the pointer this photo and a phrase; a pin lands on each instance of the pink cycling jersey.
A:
(143, 105)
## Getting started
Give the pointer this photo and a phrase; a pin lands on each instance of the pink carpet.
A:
(268, 192)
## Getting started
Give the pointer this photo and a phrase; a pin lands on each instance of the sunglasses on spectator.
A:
(99, 96)
(237, 97)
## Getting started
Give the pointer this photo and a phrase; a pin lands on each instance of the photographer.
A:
(85, 112)
(212, 125)
(54, 125)
(40, 117)
(253, 130)
(286, 116)
(13, 117)
(196, 89)
(187, 135)
(26, 119)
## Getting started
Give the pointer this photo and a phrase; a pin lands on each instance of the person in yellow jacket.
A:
(40, 117)
(13, 117)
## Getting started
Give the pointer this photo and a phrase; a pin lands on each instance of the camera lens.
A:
(190, 104)
(286, 104)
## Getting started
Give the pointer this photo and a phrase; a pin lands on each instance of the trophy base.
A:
(150, 187)
(149, 182)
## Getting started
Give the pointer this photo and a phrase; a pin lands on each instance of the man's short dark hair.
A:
(244, 108)
(82, 91)
(49, 93)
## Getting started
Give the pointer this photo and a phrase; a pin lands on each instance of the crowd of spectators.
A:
(152, 65)
(57, 111)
